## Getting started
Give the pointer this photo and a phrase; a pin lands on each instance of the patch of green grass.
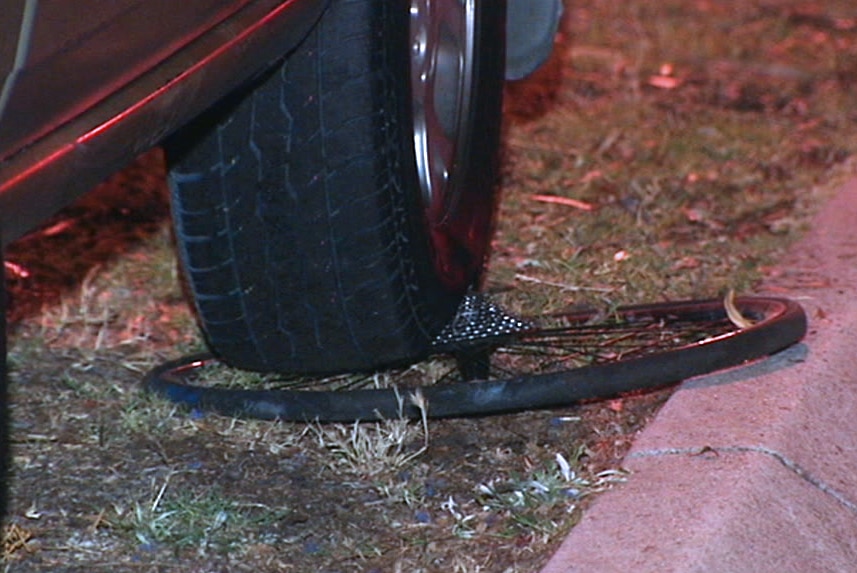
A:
(149, 415)
(527, 499)
(202, 522)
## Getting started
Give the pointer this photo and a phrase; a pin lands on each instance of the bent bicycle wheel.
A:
(489, 362)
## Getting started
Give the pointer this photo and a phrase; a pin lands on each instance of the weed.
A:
(464, 524)
(526, 498)
(370, 449)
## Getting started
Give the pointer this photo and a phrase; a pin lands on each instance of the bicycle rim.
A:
(549, 361)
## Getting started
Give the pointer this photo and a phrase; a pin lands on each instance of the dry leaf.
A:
(664, 82)
(733, 313)
(686, 263)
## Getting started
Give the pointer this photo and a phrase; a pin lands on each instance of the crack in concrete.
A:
(785, 461)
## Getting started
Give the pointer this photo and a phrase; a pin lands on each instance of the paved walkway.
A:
(753, 469)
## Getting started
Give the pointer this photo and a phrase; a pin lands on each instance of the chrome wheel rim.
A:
(442, 51)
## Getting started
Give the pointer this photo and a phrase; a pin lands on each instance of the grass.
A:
(371, 449)
(201, 522)
(526, 498)
(679, 160)
(700, 181)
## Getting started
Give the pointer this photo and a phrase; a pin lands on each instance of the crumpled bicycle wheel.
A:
(489, 362)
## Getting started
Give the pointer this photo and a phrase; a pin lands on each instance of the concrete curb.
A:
(754, 469)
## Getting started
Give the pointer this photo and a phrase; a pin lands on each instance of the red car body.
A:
(86, 87)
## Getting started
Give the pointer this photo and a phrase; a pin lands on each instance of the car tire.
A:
(331, 216)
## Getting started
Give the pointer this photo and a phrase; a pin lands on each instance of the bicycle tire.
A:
(779, 323)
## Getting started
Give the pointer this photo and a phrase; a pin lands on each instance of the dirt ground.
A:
(683, 145)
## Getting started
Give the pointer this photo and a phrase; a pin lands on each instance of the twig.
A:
(563, 286)
(582, 205)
